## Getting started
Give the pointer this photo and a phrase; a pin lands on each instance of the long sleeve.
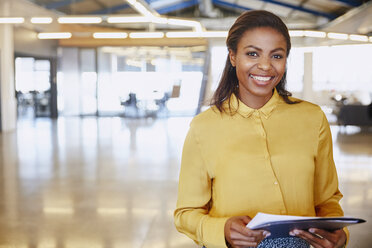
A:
(327, 194)
(194, 195)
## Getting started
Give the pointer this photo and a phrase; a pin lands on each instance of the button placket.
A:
(263, 135)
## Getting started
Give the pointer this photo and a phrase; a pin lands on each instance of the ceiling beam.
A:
(178, 6)
(353, 3)
(111, 9)
(229, 5)
(59, 4)
(303, 9)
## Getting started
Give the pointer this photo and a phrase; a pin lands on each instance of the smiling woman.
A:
(257, 149)
(260, 62)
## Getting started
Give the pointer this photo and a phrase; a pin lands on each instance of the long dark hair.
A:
(229, 82)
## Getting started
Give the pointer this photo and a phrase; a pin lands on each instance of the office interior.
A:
(93, 119)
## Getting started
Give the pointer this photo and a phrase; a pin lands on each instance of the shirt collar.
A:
(245, 111)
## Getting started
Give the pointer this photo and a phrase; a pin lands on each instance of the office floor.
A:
(112, 183)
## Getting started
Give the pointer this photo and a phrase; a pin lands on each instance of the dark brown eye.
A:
(252, 54)
(277, 56)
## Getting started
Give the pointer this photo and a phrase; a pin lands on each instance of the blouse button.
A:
(276, 183)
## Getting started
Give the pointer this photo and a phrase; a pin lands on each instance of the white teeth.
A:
(260, 78)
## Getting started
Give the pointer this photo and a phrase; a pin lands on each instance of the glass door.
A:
(33, 87)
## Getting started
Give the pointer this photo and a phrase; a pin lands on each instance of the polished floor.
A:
(112, 183)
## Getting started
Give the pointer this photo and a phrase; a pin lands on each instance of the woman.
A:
(257, 150)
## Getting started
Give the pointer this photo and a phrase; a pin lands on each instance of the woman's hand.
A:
(319, 238)
(238, 235)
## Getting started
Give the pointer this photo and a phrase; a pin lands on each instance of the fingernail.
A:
(292, 234)
(312, 230)
(296, 231)
(266, 234)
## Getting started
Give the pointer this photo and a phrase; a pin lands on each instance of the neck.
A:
(254, 102)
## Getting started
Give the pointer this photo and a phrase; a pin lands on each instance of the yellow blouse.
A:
(277, 159)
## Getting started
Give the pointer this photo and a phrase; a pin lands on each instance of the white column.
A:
(7, 89)
(307, 93)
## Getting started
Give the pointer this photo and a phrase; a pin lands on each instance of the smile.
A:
(260, 78)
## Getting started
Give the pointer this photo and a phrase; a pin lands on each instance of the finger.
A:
(246, 231)
(246, 220)
(239, 236)
(235, 236)
(324, 234)
(316, 241)
(245, 244)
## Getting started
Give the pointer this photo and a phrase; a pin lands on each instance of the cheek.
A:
(280, 68)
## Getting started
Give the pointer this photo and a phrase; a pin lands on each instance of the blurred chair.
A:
(358, 115)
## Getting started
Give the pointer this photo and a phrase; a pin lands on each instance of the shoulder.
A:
(207, 117)
(303, 112)
(304, 107)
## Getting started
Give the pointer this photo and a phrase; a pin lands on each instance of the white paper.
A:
(262, 218)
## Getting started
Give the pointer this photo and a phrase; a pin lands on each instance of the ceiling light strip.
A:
(315, 34)
(296, 33)
(79, 20)
(357, 37)
(60, 35)
(145, 35)
(11, 20)
(128, 19)
(41, 20)
(338, 36)
(110, 35)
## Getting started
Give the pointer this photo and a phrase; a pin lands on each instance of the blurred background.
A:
(96, 97)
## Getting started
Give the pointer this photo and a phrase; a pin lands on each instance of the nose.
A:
(264, 63)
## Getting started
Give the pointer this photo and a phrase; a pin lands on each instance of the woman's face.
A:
(260, 62)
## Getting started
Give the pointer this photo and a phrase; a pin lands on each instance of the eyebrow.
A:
(259, 49)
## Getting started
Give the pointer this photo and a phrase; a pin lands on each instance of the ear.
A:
(232, 57)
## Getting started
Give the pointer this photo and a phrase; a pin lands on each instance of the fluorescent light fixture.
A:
(160, 20)
(315, 34)
(63, 35)
(83, 20)
(186, 23)
(370, 38)
(357, 37)
(136, 35)
(182, 22)
(338, 36)
(41, 20)
(127, 19)
(106, 35)
(12, 20)
(296, 33)
(140, 8)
